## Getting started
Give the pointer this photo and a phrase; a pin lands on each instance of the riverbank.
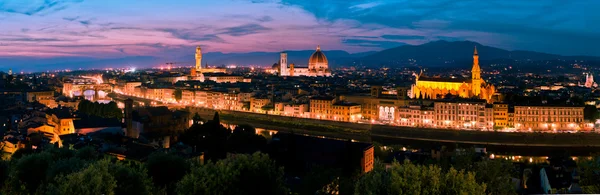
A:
(368, 132)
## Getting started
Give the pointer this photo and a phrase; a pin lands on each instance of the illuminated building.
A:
(296, 110)
(320, 107)
(415, 115)
(197, 70)
(317, 65)
(380, 105)
(346, 111)
(500, 115)
(225, 78)
(463, 115)
(130, 86)
(435, 88)
(10, 71)
(548, 117)
(328, 108)
(589, 81)
(43, 97)
(258, 103)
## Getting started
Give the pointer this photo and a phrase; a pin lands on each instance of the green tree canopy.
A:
(408, 178)
(95, 179)
(245, 140)
(237, 174)
(166, 169)
(496, 174)
(132, 179)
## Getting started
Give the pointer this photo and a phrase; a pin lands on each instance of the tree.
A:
(496, 174)
(408, 178)
(590, 113)
(87, 153)
(177, 94)
(4, 170)
(461, 182)
(377, 181)
(95, 179)
(28, 173)
(216, 118)
(132, 179)
(589, 170)
(245, 140)
(237, 174)
(65, 167)
(166, 169)
(197, 119)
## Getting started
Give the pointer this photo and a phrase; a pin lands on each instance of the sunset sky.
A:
(118, 28)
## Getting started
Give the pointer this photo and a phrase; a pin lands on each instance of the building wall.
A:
(368, 160)
(296, 110)
(320, 109)
(500, 115)
(470, 115)
(226, 79)
(548, 118)
(348, 113)
(256, 104)
(130, 87)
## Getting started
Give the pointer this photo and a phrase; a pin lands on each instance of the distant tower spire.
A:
(318, 47)
(476, 74)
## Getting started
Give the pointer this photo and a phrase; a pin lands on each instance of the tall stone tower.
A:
(198, 59)
(284, 71)
(476, 74)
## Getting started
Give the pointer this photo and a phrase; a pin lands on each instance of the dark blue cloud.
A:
(35, 7)
(86, 22)
(402, 37)
(28, 39)
(372, 43)
(193, 36)
(242, 30)
(562, 26)
(71, 19)
(265, 19)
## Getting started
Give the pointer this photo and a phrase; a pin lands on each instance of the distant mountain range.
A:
(437, 53)
(443, 52)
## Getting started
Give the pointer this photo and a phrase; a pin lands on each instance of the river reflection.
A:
(515, 154)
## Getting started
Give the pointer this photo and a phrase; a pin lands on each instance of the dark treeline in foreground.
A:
(242, 162)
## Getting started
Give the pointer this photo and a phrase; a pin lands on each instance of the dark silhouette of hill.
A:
(432, 54)
(438, 53)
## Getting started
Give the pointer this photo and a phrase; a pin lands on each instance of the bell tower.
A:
(198, 59)
(476, 74)
(283, 64)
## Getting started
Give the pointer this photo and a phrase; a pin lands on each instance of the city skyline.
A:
(109, 29)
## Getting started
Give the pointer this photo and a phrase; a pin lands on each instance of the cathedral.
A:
(317, 66)
(434, 87)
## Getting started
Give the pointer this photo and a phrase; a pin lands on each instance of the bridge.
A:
(81, 84)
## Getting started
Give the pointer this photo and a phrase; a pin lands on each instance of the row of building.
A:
(381, 107)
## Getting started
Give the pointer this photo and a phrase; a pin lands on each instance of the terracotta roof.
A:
(317, 57)
(451, 80)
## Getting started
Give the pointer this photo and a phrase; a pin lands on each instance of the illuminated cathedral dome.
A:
(317, 58)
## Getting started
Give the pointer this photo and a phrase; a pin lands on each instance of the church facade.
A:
(317, 65)
(434, 87)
